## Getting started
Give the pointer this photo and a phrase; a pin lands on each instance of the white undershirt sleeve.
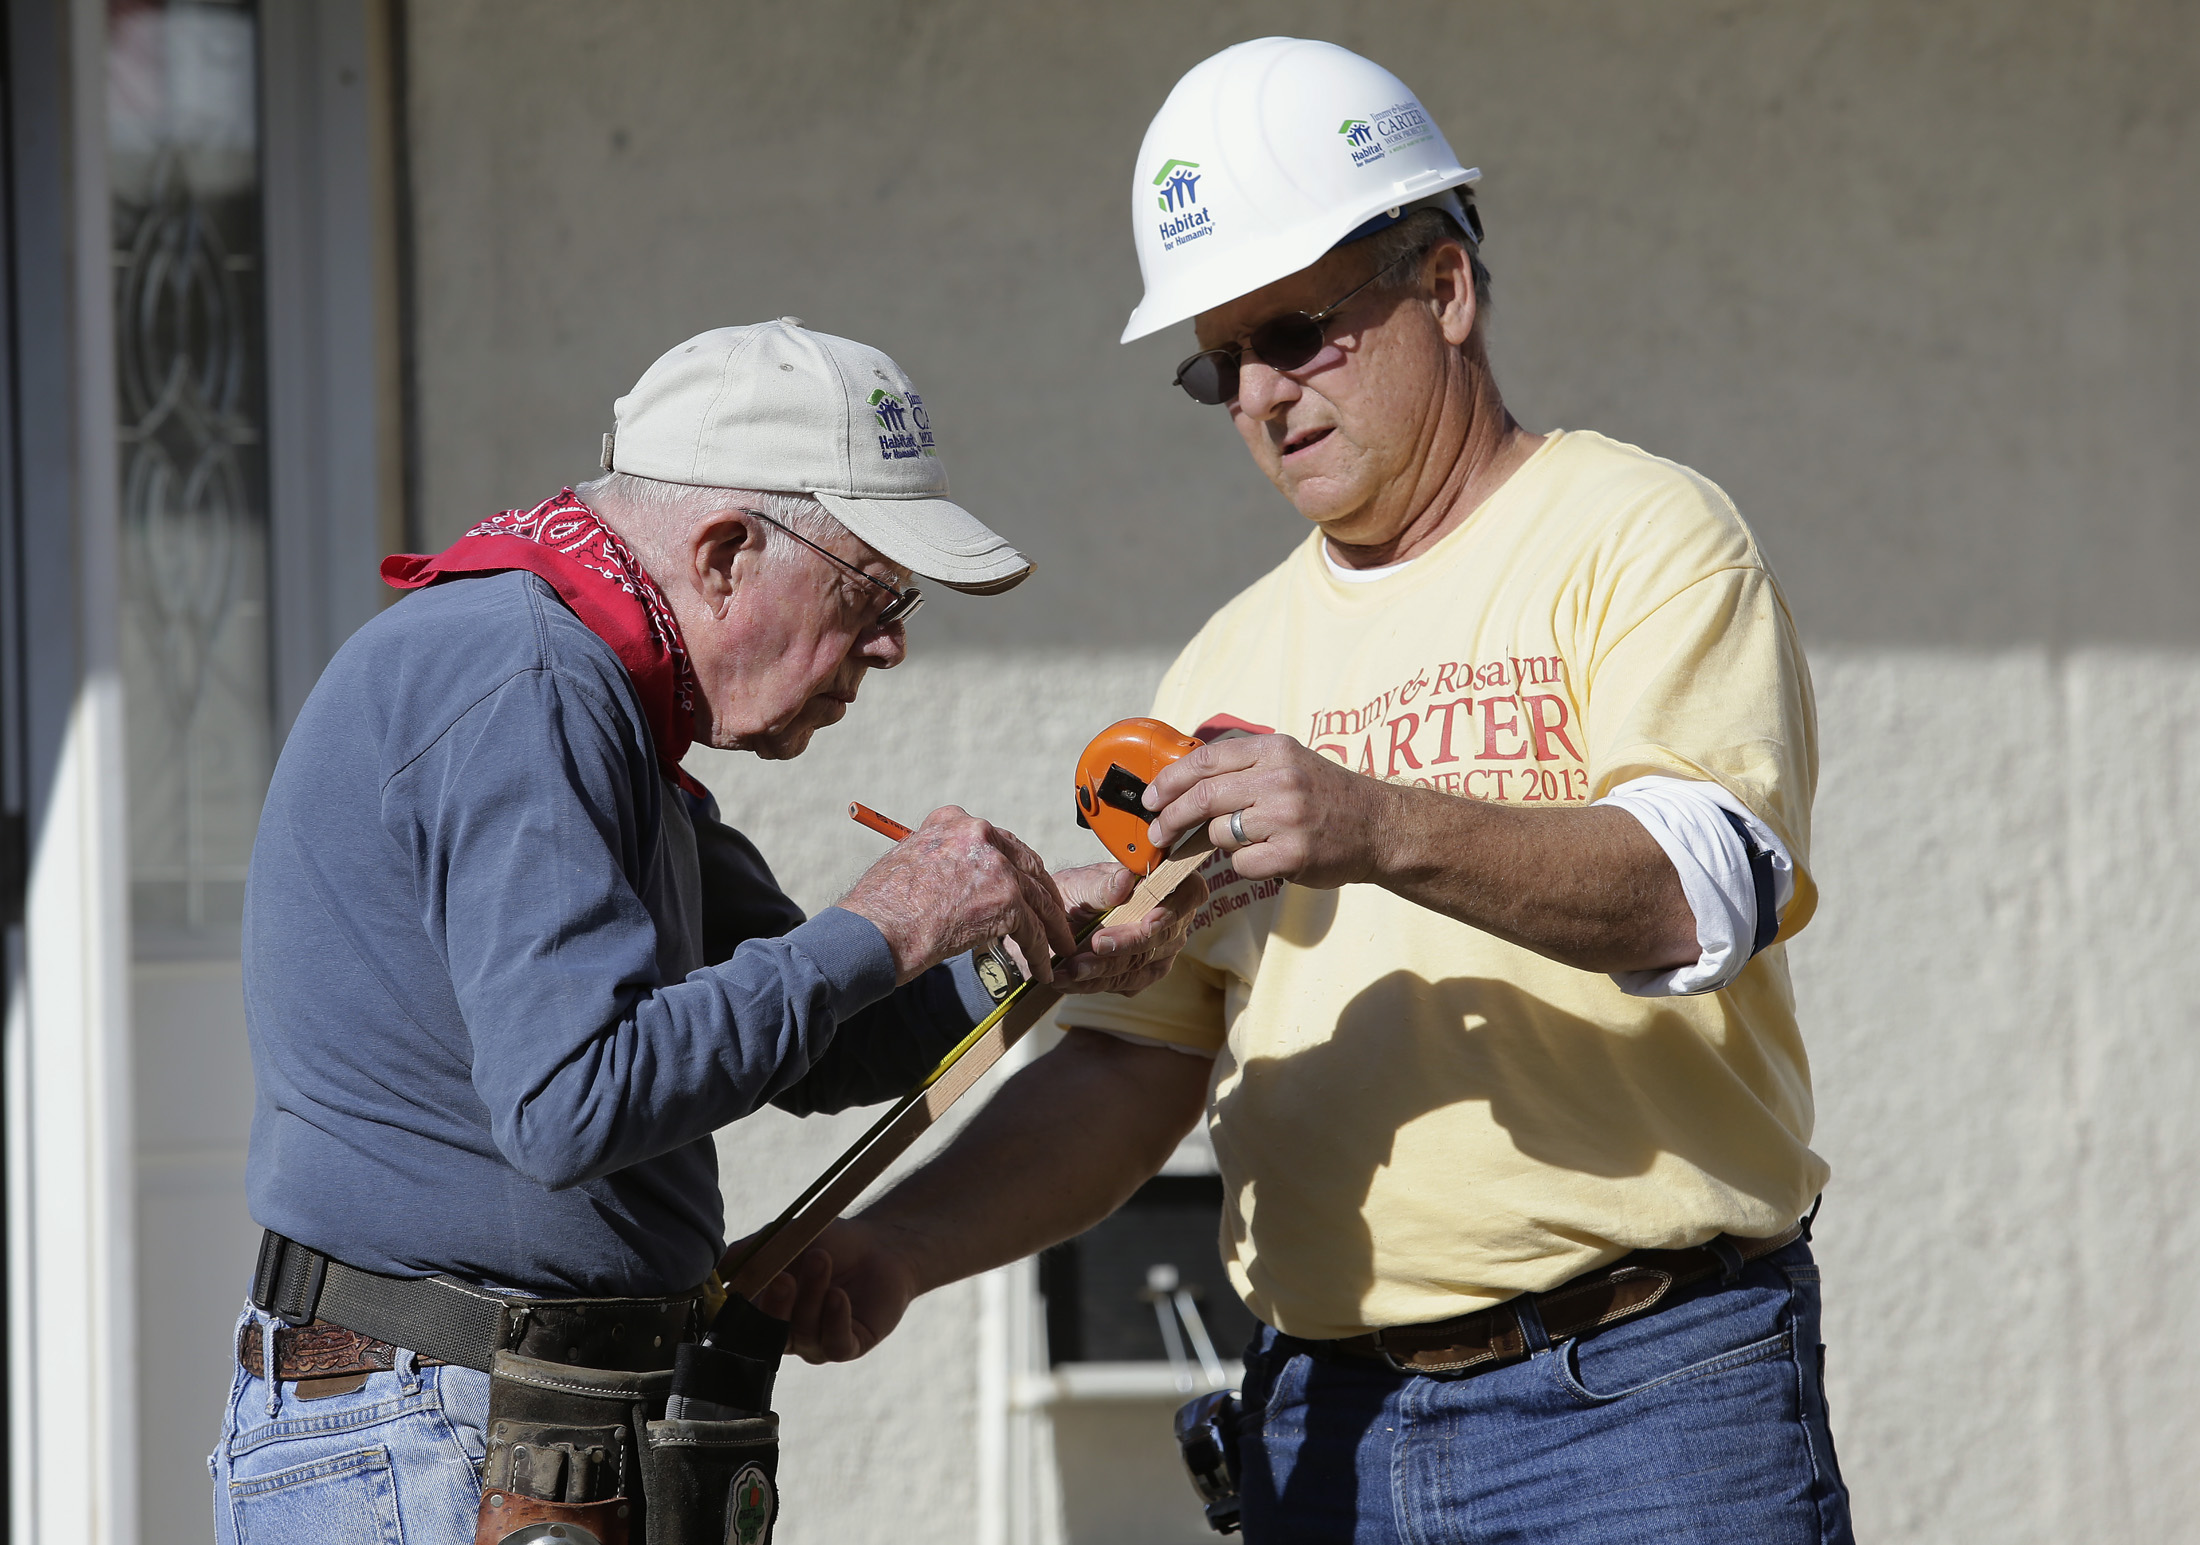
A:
(1689, 821)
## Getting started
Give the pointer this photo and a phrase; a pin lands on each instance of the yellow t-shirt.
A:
(1414, 1118)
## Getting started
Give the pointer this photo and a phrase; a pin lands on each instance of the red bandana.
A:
(598, 576)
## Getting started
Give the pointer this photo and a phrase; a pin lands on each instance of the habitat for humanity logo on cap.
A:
(908, 430)
(1186, 219)
(1391, 130)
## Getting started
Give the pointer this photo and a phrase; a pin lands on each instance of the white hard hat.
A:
(1263, 158)
(778, 406)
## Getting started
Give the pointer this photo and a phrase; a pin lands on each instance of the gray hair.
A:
(647, 513)
(1405, 244)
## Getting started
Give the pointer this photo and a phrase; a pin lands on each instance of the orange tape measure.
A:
(1111, 780)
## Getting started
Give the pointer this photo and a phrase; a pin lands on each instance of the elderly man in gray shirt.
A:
(506, 972)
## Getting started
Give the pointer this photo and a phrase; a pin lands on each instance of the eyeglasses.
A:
(901, 608)
(1280, 343)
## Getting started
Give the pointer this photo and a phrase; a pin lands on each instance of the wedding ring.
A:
(1237, 828)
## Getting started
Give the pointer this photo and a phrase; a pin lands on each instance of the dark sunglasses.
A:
(1280, 343)
(901, 608)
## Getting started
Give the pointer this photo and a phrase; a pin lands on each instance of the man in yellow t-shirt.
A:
(1509, 769)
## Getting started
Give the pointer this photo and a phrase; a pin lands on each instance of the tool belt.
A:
(578, 1430)
(1634, 1285)
(448, 1321)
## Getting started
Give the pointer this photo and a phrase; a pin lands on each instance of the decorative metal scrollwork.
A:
(181, 352)
(190, 389)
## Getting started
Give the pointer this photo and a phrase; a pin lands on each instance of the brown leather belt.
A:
(1491, 1338)
(317, 1351)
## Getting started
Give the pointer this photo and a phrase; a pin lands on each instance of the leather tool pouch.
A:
(711, 1466)
(589, 1447)
(564, 1448)
(712, 1483)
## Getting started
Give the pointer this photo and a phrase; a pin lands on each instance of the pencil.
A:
(884, 825)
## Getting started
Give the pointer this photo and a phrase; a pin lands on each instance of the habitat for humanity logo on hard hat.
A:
(1185, 219)
(896, 416)
(1359, 138)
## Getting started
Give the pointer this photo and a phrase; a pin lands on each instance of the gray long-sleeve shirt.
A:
(503, 980)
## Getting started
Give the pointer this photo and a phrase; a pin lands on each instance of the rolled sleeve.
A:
(1711, 687)
(1690, 822)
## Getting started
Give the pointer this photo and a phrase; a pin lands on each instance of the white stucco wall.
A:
(1912, 282)
(1999, 999)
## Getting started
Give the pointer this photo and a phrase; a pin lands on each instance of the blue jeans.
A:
(395, 1462)
(1702, 1422)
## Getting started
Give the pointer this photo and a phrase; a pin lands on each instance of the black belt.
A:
(456, 1322)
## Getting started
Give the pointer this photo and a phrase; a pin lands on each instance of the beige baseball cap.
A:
(779, 407)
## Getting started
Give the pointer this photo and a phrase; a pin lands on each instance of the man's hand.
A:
(844, 1294)
(1128, 957)
(1585, 886)
(957, 883)
(1305, 817)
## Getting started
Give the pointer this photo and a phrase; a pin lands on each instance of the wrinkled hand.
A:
(1129, 957)
(957, 883)
(843, 1295)
(1306, 818)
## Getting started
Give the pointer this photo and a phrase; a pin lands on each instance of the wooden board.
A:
(850, 1175)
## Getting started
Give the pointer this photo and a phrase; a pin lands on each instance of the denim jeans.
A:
(395, 1462)
(1703, 1422)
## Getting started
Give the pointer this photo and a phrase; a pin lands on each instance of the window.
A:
(183, 156)
(1100, 1287)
